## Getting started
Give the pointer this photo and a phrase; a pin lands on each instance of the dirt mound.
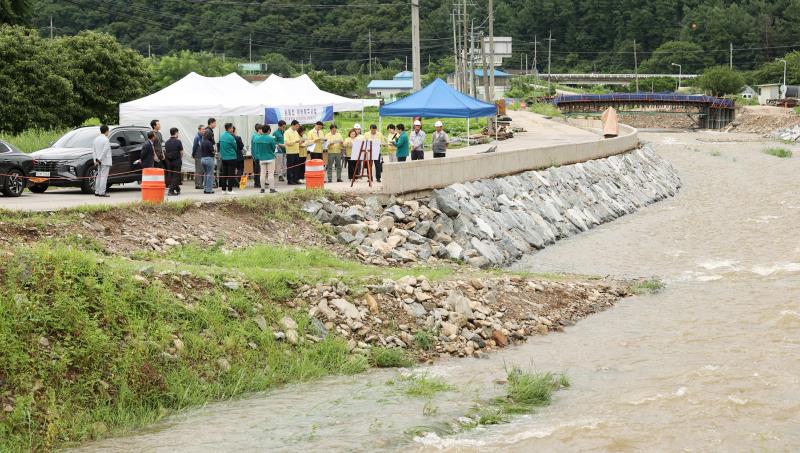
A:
(764, 120)
(128, 229)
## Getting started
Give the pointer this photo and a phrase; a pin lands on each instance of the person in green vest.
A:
(280, 151)
(401, 143)
(264, 151)
(227, 154)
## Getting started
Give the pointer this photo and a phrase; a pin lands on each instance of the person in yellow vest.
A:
(351, 163)
(316, 137)
(291, 139)
(391, 136)
(352, 136)
(377, 138)
(335, 153)
(304, 144)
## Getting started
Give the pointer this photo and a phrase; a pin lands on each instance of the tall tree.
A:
(33, 84)
(103, 73)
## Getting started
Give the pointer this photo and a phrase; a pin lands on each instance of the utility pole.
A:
(472, 90)
(491, 49)
(406, 62)
(526, 63)
(309, 61)
(484, 74)
(302, 68)
(465, 40)
(417, 83)
(549, 48)
(148, 50)
(535, 47)
(370, 52)
(250, 48)
(51, 27)
(636, 65)
(731, 44)
(456, 64)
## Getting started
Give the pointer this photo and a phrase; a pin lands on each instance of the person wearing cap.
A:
(401, 143)
(417, 141)
(316, 137)
(391, 137)
(376, 138)
(335, 153)
(439, 140)
(292, 142)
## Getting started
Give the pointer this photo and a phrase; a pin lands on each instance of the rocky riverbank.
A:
(451, 318)
(494, 222)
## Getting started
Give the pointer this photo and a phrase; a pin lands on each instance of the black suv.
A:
(15, 166)
(69, 162)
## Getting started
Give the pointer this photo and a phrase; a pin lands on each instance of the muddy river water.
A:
(712, 363)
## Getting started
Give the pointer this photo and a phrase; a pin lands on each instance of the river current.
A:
(711, 363)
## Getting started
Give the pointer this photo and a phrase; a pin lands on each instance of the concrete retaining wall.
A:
(421, 175)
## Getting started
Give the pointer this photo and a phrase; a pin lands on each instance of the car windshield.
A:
(79, 138)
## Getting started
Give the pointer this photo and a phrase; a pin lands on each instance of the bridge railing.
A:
(654, 98)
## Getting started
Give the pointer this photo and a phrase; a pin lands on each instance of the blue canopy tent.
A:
(440, 100)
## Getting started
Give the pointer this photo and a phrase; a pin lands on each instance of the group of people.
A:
(155, 153)
(280, 153)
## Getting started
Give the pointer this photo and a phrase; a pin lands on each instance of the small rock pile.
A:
(449, 318)
(789, 134)
(494, 222)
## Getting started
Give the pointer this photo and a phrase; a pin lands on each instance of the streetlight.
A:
(783, 87)
(680, 72)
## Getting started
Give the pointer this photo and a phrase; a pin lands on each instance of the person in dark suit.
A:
(174, 161)
(147, 159)
(239, 156)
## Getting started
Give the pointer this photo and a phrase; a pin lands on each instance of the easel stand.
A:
(363, 164)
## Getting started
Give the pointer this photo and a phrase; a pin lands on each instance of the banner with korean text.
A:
(307, 114)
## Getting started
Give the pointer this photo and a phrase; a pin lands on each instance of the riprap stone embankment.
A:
(496, 221)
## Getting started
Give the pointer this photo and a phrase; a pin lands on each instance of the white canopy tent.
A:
(192, 100)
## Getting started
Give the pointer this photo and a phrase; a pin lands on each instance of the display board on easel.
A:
(364, 153)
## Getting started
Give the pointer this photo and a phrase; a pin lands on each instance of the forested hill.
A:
(334, 34)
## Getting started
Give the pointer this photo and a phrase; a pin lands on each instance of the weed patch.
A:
(389, 358)
(779, 152)
(422, 385)
(647, 286)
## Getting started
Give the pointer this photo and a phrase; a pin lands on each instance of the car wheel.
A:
(90, 177)
(14, 183)
(38, 188)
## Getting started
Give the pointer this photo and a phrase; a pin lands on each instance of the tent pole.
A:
(467, 131)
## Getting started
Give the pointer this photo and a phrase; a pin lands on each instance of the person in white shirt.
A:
(417, 140)
(101, 152)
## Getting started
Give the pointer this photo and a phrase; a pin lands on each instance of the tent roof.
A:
(278, 91)
(198, 95)
(439, 100)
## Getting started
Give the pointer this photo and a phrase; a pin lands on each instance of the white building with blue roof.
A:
(389, 89)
